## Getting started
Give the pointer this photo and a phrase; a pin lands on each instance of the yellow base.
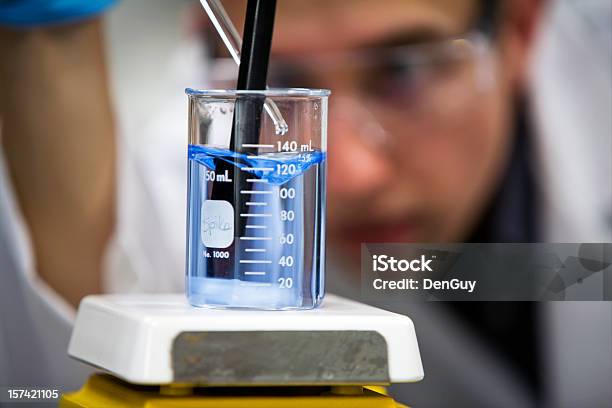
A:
(106, 391)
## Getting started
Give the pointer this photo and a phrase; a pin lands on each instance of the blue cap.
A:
(37, 13)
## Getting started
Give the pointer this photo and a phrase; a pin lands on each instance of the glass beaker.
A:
(256, 199)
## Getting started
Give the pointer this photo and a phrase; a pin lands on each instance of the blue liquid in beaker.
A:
(261, 246)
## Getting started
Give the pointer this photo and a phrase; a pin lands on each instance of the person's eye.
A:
(400, 71)
(394, 81)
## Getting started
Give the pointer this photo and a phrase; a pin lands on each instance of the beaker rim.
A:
(271, 92)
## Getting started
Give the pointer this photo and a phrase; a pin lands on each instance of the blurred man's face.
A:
(418, 126)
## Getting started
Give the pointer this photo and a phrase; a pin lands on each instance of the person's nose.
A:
(358, 167)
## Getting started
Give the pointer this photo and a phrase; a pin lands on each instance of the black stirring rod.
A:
(252, 75)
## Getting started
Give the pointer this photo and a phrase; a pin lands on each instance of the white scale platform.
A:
(161, 339)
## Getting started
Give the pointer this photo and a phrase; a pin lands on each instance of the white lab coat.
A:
(35, 322)
(147, 254)
(572, 83)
